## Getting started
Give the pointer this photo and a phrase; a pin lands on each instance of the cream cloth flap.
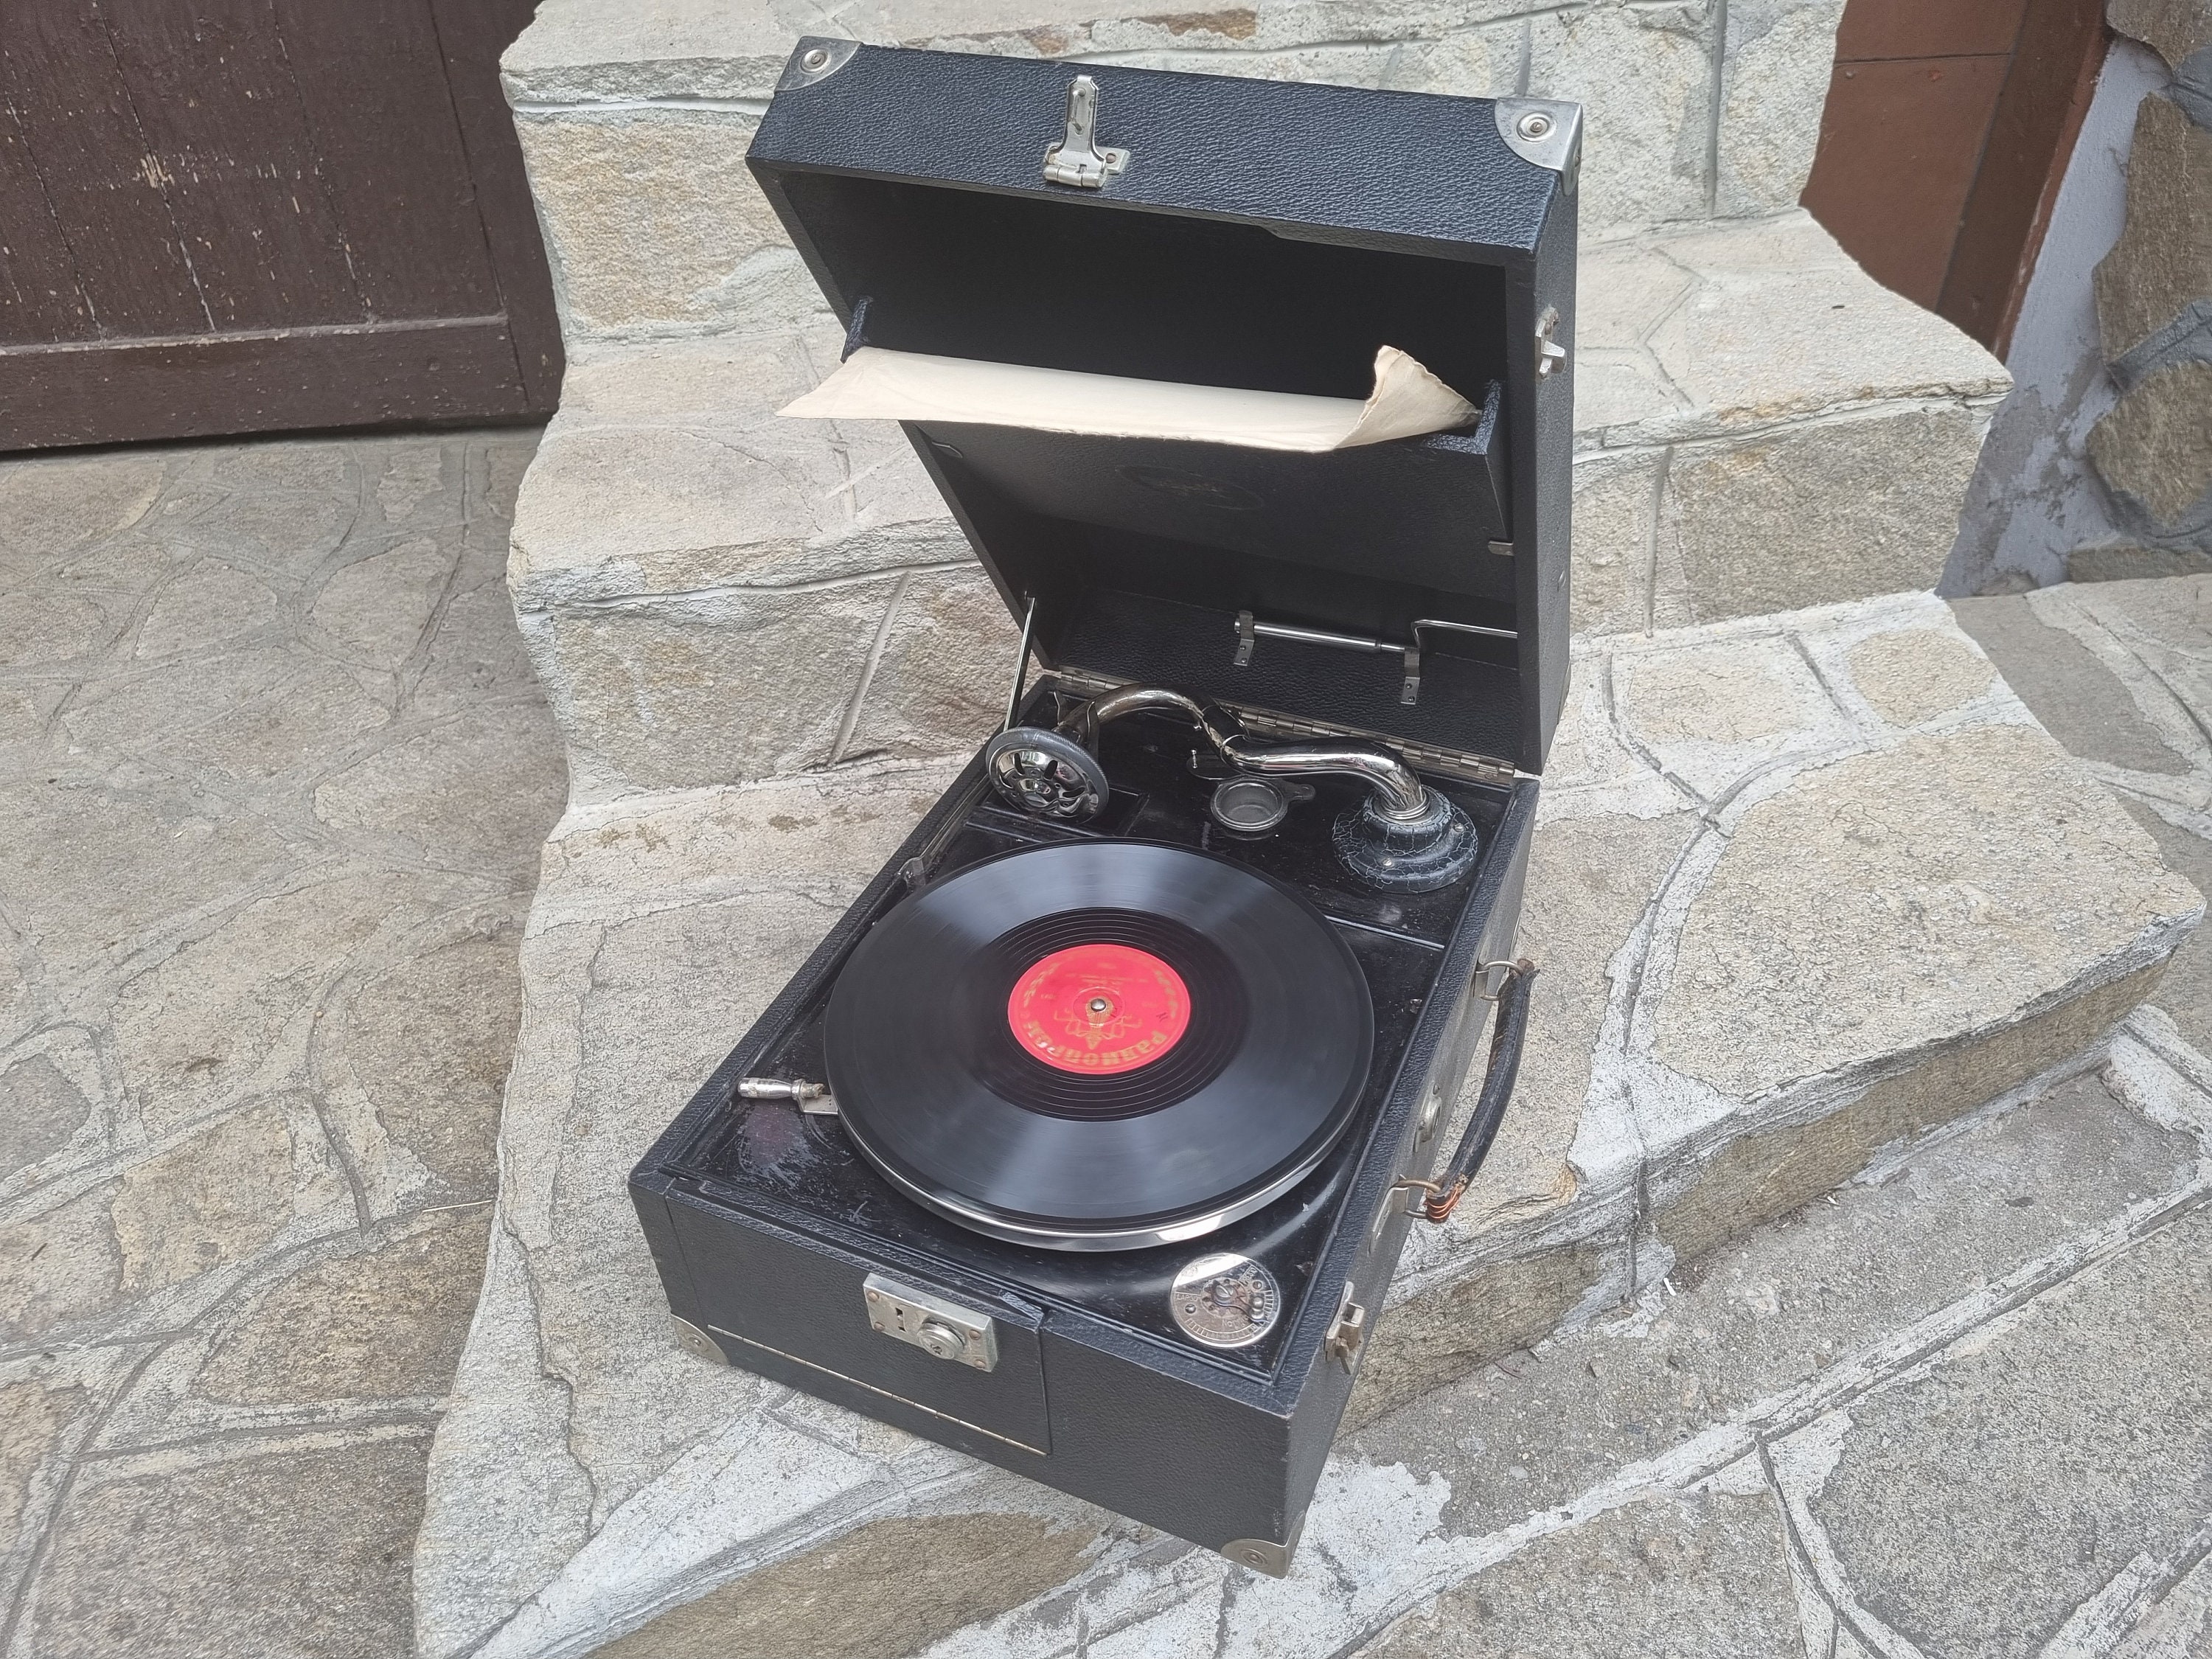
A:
(873, 384)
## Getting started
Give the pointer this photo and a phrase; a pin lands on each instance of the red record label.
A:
(1099, 1009)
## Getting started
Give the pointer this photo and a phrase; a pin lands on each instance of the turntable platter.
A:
(1099, 1046)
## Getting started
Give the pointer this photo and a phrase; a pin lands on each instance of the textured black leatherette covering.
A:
(1340, 163)
(1208, 1451)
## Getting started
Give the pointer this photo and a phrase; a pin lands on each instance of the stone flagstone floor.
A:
(275, 775)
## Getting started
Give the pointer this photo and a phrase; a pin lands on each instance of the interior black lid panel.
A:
(1078, 281)
(1421, 512)
(1265, 235)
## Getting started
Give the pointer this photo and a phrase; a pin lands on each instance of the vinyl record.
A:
(1099, 1046)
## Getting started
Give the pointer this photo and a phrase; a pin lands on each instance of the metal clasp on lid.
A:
(1550, 353)
(1077, 158)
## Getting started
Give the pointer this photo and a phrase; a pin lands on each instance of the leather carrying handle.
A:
(1506, 1041)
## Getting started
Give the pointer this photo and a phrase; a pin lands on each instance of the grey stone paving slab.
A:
(2118, 673)
(1697, 1576)
(1771, 1311)
(2184, 991)
(1977, 1508)
(2078, 699)
(276, 774)
(316, 1541)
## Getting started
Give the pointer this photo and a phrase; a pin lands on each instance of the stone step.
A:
(1807, 887)
(1765, 1456)
(635, 119)
(1760, 426)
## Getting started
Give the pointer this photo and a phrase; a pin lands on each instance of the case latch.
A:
(1077, 158)
(942, 1329)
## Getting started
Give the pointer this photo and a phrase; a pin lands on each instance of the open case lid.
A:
(1238, 232)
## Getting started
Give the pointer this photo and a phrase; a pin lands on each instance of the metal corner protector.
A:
(815, 57)
(1264, 1555)
(1547, 132)
(697, 1342)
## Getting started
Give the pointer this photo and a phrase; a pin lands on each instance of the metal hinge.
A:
(1077, 158)
(1550, 353)
(1490, 978)
(1347, 1333)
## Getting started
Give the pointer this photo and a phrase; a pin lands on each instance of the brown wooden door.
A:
(1947, 130)
(255, 215)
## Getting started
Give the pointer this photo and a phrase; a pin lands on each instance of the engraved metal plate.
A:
(1225, 1301)
(943, 1329)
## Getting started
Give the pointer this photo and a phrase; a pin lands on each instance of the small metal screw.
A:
(816, 61)
(1535, 124)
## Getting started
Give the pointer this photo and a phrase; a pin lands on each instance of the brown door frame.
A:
(227, 216)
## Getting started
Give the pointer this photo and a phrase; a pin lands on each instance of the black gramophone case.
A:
(1237, 233)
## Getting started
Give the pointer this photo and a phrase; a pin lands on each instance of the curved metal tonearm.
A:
(1404, 836)
(1399, 797)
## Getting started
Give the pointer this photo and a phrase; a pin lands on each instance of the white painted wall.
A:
(2035, 498)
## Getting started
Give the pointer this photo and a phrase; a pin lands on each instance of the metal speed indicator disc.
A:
(1224, 1301)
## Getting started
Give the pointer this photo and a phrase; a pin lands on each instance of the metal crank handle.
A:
(812, 1098)
(1498, 1079)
